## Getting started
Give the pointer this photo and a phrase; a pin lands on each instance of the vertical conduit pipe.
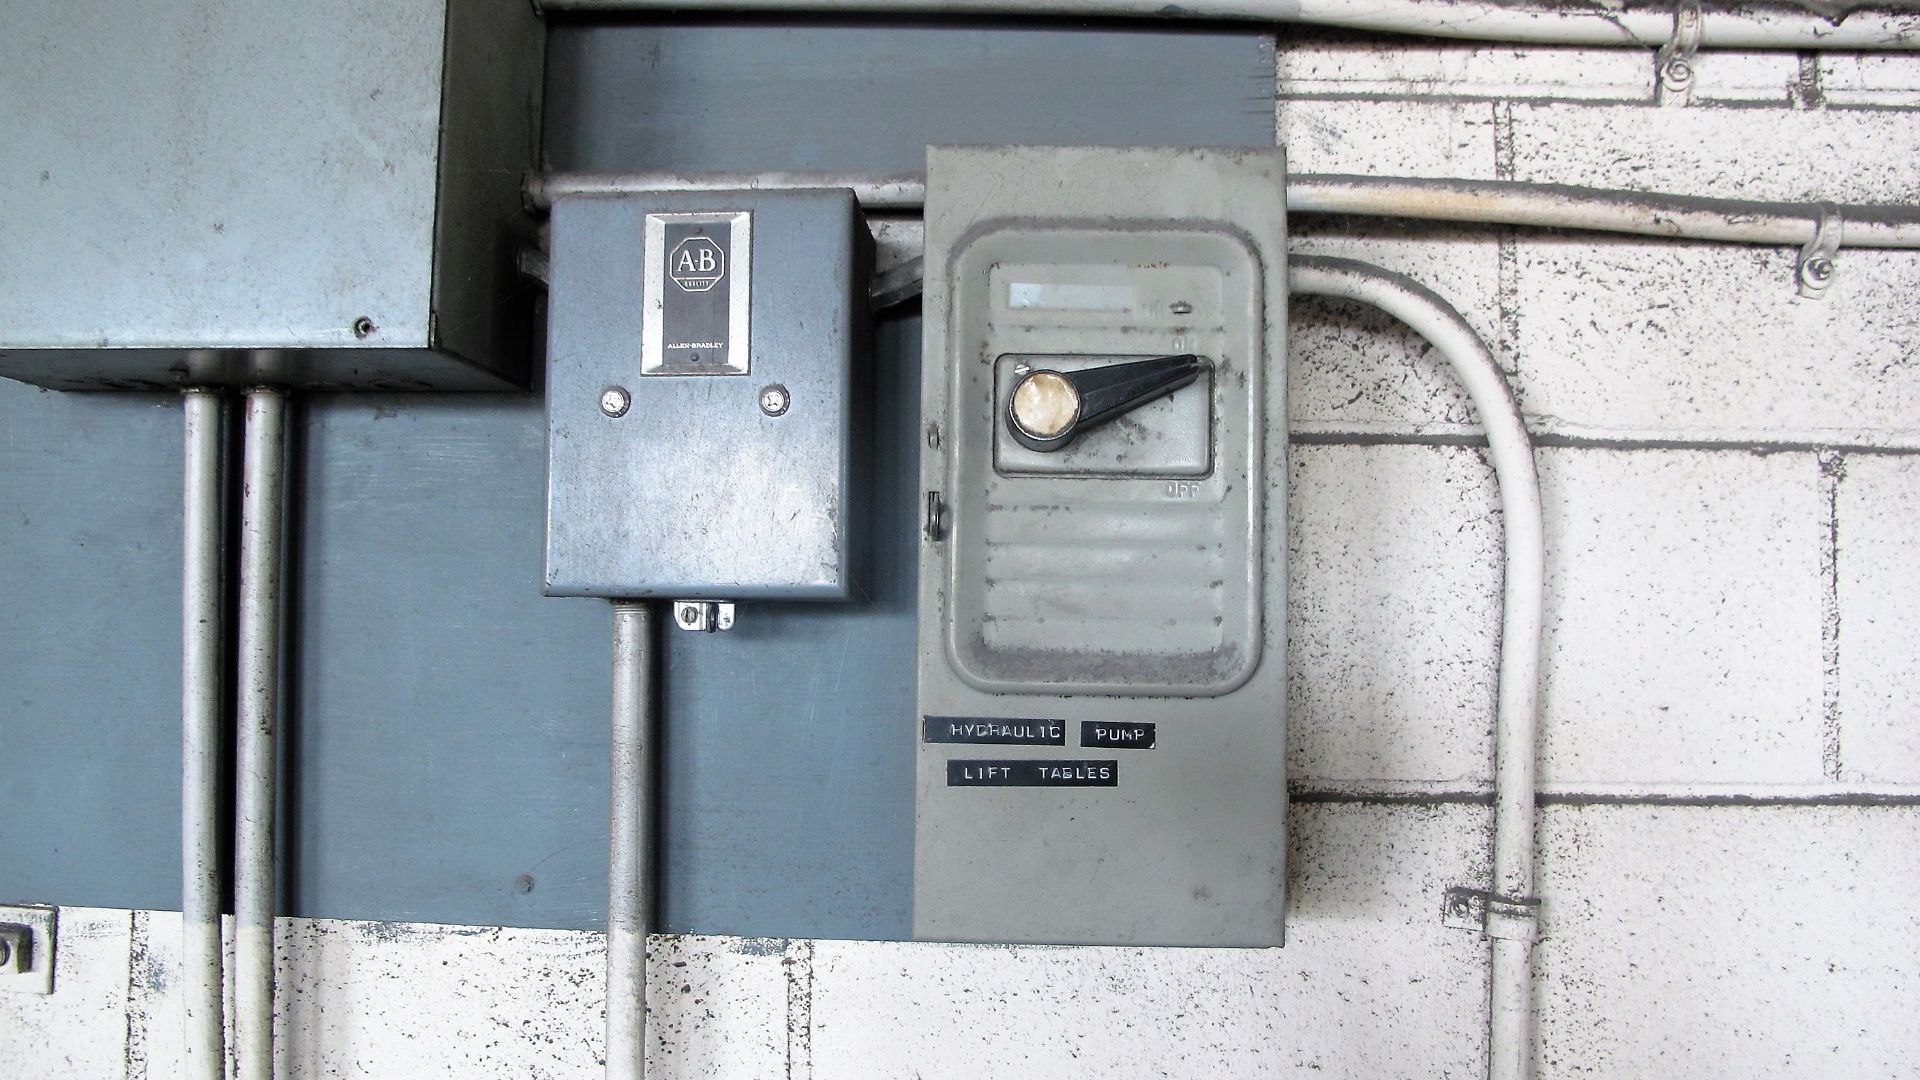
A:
(202, 641)
(628, 830)
(262, 514)
(1510, 922)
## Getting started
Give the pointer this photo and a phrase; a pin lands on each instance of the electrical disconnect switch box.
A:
(1102, 733)
(701, 375)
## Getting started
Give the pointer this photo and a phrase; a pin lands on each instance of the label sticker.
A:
(988, 729)
(1033, 773)
(697, 286)
(1116, 736)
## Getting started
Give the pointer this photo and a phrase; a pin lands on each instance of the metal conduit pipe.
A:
(1488, 202)
(874, 191)
(256, 745)
(1761, 24)
(1510, 923)
(202, 641)
(1564, 206)
(628, 829)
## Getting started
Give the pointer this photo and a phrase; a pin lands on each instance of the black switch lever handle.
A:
(1049, 409)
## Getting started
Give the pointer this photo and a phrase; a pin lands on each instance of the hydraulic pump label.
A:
(697, 284)
(1018, 773)
(1116, 736)
(986, 729)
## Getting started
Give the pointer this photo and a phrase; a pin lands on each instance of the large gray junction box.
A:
(1101, 732)
(323, 195)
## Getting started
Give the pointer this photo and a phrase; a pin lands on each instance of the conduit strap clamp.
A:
(1816, 269)
(1676, 57)
(1507, 917)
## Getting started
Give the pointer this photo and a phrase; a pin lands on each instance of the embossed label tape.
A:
(1033, 773)
(987, 729)
(1116, 736)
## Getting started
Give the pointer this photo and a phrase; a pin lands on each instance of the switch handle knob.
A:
(1049, 409)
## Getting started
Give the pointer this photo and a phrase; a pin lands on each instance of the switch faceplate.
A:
(1102, 738)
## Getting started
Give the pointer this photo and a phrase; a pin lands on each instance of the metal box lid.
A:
(701, 385)
(337, 182)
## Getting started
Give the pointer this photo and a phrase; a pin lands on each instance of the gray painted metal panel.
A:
(450, 722)
(866, 94)
(90, 650)
(226, 174)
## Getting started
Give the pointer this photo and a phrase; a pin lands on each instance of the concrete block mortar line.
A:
(797, 959)
(1507, 288)
(1456, 97)
(1353, 433)
(140, 972)
(1606, 793)
(1833, 471)
(1805, 93)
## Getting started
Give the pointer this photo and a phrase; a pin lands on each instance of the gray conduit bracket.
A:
(1676, 57)
(1816, 269)
(1511, 918)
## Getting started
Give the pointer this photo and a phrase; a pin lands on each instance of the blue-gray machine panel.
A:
(447, 723)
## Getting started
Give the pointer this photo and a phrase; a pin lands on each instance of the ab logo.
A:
(696, 264)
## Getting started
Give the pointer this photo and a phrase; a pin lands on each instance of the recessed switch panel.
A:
(702, 351)
(1101, 733)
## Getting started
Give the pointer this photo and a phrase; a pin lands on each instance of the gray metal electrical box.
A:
(701, 382)
(322, 194)
(1102, 731)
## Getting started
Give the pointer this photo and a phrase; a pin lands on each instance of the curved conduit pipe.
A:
(202, 641)
(1763, 24)
(1482, 202)
(1511, 906)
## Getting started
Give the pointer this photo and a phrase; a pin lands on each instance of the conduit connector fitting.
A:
(1506, 917)
(1816, 270)
(1676, 57)
(703, 616)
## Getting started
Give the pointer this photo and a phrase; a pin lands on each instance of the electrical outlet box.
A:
(703, 358)
(1102, 724)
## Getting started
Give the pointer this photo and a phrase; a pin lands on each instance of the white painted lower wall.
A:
(1730, 846)
(1693, 941)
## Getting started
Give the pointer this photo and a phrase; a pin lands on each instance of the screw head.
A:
(774, 400)
(1820, 268)
(1679, 72)
(6, 952)
(614, 401)
(363, 328)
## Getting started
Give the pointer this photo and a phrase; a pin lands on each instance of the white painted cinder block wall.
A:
(1730, 838)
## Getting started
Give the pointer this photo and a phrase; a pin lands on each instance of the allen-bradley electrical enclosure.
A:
(1102, 733)
(702, 362)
